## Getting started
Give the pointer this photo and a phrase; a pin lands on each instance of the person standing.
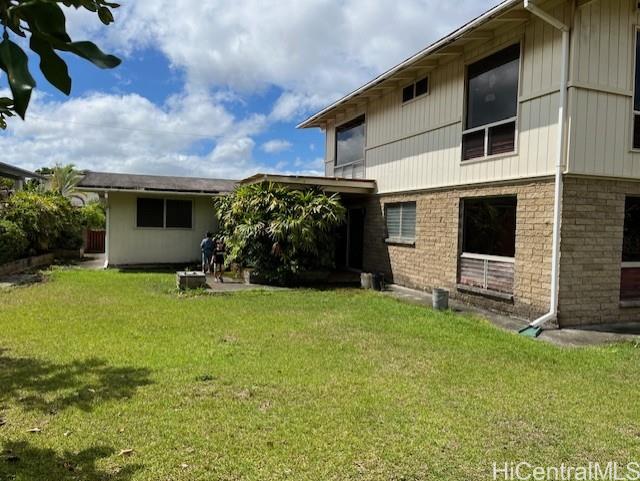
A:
(207, 247)
(218, 259)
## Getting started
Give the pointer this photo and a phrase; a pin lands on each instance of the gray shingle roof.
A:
(12, 172)
(110, 181)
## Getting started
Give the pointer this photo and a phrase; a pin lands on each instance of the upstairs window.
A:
(161, 213)
(415, 90)
(636, 99)
(350, 142)
(401, 222)
(492, 105)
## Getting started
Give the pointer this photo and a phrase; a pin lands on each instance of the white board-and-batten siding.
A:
(601, 93)
(417, 145)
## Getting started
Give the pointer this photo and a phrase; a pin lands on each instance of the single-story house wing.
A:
(155, 219)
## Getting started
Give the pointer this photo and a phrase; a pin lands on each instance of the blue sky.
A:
(217, 91)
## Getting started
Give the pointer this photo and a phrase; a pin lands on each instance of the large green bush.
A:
(279, 231)
(13, 242)
(94, 216)
(48, 220)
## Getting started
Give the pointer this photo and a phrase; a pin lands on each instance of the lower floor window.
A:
(401, 222)
(630, 279)
(487, 261)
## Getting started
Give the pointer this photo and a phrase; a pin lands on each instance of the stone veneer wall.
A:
(592, 235)
(433, 262)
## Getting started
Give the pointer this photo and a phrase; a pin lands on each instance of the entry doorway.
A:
(349, 241)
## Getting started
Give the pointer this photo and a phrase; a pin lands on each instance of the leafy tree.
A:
(43, 22)
(94, 216)
(278, 231)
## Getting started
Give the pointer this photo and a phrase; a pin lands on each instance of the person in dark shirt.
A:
(207, 248)
(218, 259)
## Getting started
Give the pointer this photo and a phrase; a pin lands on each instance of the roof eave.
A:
(315, 120)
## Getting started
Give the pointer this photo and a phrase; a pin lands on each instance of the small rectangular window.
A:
(150, 212)
(636, 100)
(422, 87)
(350, 142)
(401, 222)
(408, 93)
(179, 214)
(415, 90)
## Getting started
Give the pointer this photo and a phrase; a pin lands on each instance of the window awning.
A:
(327, 184)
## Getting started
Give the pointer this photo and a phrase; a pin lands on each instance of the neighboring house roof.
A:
(103, 181)
(12, 172)
(402, 71)
(327, 184)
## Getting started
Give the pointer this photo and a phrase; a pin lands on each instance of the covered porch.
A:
(354, 194)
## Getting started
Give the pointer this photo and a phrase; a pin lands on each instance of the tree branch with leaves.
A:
(43, 23)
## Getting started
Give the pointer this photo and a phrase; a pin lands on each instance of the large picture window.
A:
(487, 261)
(636, 98)
(350, 142)
(164, 213)
(492, 105)
(630, 281)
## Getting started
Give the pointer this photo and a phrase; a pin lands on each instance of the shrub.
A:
(48, 220)
(13, 242)
(278, 231)
(94, 216)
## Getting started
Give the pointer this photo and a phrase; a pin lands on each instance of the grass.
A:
(295, 385)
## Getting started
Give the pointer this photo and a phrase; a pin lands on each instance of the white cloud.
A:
(276, 146)
(128, 133)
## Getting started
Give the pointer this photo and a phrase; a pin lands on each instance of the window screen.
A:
(492, 88)
(489, 226)
(401, 221)
(422, 87)
(350, 142)
(179, 214)
(150, 212)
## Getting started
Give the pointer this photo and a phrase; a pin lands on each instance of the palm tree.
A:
(64, 180)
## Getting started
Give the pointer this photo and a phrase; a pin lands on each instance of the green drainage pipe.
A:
(530, 331)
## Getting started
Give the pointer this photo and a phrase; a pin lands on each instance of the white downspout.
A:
(560, 160)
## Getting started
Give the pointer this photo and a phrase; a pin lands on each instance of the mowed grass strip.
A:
(124, 379)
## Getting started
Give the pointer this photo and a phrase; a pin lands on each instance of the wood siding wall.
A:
(418, 145)
(601, 95)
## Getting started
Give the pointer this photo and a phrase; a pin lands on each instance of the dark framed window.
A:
(350, 141)
(179, 214)
(492, 105)
(164, 213)
(631, 243)
(636, 97)
(150, 212)
(416, 89)
(489, 226)
(401, 222)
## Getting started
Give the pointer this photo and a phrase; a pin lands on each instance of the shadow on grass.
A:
(22, 461)
(39, 385)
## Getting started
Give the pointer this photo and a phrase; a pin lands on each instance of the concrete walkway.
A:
(232, 284)
(560, 337)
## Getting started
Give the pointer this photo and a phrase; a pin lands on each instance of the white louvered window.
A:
(401, 222)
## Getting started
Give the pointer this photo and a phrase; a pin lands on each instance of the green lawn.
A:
(295, 385)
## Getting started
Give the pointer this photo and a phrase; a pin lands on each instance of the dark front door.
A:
(355, 238)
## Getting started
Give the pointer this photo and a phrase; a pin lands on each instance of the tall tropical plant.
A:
(64, 180)
(279, 231)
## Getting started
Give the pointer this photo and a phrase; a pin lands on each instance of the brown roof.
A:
(154, 183)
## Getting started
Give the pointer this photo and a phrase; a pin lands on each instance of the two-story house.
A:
(507, 162)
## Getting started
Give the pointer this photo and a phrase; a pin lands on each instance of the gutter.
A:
(535, 328)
